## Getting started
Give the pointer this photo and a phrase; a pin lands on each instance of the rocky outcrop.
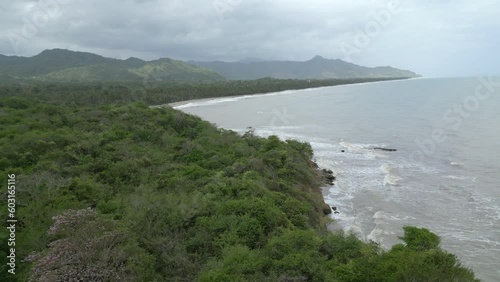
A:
(327, 176)
(385, 149)
(326, 209)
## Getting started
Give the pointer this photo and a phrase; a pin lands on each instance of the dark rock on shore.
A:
(385, 149)
(329, 171)
(326, 209)
(327, 176)
(314, 164)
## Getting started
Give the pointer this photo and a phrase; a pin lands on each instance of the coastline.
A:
(374, 225)
(289, 203)
(178, 104)
(325, 177)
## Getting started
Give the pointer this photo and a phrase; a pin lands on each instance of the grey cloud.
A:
(436, 38)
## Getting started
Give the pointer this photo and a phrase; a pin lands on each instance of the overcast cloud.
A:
(431, 37)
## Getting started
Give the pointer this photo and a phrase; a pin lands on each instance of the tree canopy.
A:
(128, 193)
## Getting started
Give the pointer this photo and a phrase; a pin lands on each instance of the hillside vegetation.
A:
(316, 68)
(155, 92)
(128, 193)
(59, 65)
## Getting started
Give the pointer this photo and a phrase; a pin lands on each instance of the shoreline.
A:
(325, 175)
(178, 104)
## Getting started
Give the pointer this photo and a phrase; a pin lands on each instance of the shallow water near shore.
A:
(444, 175)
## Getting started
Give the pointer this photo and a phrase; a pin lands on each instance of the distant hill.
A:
(316, 68)
(60, 65)
(65, 65)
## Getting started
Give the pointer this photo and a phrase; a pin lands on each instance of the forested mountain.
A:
(60, 65)
(316, 68)
(65, 65)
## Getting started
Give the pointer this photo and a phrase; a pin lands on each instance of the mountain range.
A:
(65, 65)
(72, 66)
(316, 68)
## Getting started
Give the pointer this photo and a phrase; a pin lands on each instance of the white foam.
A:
(429, 170)
(283, 127)
(352, 147)
(356, 230)
(381, 232)
(460, 177)
(322, 145)
(281, 132)
(209, 102)
(375, 235)
(229, 99)
(390, 177)
(361, 151)
(381, 215)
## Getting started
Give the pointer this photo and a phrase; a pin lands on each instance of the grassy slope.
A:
(161, 70)
(93, 73)
(176, 70)
(65, 66)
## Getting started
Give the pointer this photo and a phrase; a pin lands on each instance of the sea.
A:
(444, 176)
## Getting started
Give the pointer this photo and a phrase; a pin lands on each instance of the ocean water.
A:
(444, 175)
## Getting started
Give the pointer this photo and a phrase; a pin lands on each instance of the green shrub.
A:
(420, 239)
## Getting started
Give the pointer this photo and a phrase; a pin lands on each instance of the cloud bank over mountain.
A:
(434, 38)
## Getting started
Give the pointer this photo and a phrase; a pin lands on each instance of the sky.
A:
(435, 38)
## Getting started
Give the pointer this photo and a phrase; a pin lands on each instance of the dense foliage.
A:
(59, 65)
(318, 68)
(154, 92)
(129, 193)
